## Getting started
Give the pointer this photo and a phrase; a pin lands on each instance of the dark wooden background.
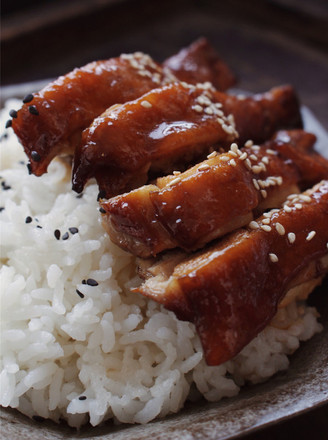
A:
(265, 42)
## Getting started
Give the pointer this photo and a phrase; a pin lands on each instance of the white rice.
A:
(112, 353)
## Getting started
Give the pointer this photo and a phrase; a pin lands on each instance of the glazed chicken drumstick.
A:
(171, 126)
(220, 194)
(50, 122)
(232, 289)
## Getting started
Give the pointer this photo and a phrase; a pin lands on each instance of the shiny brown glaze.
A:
(171, 126)
(200, 63)
(258, 117)
(52, 122)
(214, 197)
(68, 105)
(231, 290)
(150, 133)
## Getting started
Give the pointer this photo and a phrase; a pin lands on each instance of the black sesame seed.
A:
(38, 418)
(28, 98)
(13, 113)
(1, 208)
(33, 110)
(101, 195)
(84, 281)
(28, 219)
(57, 233)
(81, 295)
(92, 282)
(21, 162)
(35, 156)
(102, 210)
(8, 123)
(65, 236)
(5, 187)
(29, 168)
(38, 226)
(73, 230)
(82, 397)
(3, 136)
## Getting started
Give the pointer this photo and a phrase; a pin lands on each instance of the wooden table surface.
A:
(266, 43)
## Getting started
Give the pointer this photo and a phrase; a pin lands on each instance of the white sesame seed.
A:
(126, 56)
(266, 228)
(273, 258)
(176, 180)
(218, 112)
(176, 173)
(255, 183)
(310, 235)
(243, 156)
(269, 151)
(287, 208)
(227, 128)
(271, 181)
(255, 148)
(265, 160)
(185, 85)
(254, 225)
(262, 165)
(208, 111)
(280, 229)
(264, 193)
(220, 121)
(253, 157)
(156, 79)
(298, 205)
(256, 169)
(211, 155)
(291, 237)
(225, 158)
(204, 166)
(146, 104)
(249, 143)
(233, 162)
(305, 198)
(234, 147)
(232, 153)
(145, 73)
(218, 104)
(248, 163)
(266, 221)
(207, 85)
(134, 64)
(197, 108)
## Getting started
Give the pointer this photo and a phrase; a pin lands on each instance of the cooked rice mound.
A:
(80, 350)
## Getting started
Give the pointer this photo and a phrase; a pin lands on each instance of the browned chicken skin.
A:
(231, 290)
(50, 122)
(214, 197)
(200, 63)
(174, 124)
